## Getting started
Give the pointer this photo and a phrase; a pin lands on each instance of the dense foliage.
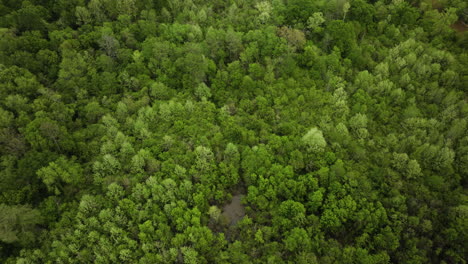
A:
(126, 126)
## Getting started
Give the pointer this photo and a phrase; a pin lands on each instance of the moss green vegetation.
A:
(233, 131)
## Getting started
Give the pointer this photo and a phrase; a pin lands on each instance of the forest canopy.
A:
(209, 131)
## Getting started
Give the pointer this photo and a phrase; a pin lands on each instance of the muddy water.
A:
(234, 211)
(459, 26)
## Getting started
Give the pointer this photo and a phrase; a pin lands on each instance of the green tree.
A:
(18, 224)
(62, 175)
(314, 140)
